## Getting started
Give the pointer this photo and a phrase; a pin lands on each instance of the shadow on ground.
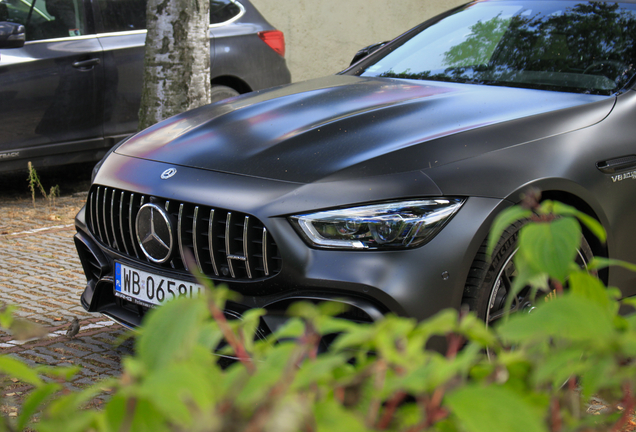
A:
(71, 179)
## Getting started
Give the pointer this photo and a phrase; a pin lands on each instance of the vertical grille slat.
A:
(141, 203)
(91, 207)
(131, 231)
(122, 232)
(245, 249)
(194, 239)
(228, 252)
(264, 252)
(180, 236)
(211, 242)
(104, 220)
(112, 221)
(228, 245)
(99, 225)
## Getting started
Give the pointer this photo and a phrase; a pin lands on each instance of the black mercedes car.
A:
(71, 72)
(377, 187)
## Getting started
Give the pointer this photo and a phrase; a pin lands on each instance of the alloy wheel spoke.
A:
(496, 315)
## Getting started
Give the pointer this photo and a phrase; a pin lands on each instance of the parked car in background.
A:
(377, 187)
(73, 89)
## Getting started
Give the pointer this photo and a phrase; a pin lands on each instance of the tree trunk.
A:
(177, 60)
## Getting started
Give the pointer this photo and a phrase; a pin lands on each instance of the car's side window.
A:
(129, 15)
(45, 19)
(123, 15)
(223, 10)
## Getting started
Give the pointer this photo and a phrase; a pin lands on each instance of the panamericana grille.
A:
(225, 244)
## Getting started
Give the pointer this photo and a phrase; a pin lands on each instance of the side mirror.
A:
(12, 35)
(366, 51)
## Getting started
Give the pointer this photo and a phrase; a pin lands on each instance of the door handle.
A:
(617, 164)
(86, 63)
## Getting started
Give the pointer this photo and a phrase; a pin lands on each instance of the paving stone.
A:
(41, 274)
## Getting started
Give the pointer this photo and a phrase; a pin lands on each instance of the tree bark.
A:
(177, 59)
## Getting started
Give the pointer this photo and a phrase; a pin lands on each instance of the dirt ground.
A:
(20, 212)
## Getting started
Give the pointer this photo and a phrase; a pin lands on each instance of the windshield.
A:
(584, 47)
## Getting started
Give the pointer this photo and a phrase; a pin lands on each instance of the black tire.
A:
(489, 281)
(219, 93)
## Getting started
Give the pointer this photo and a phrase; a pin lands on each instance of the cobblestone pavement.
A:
(41, 274)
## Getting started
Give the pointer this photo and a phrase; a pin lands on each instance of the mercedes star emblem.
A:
(168, 173)
(154, 233)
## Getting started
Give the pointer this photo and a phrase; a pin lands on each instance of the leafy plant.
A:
(375, 376)
(35, 183)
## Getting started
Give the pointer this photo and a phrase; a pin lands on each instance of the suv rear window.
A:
(223, 10)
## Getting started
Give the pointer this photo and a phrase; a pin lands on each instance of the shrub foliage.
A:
(532, 372)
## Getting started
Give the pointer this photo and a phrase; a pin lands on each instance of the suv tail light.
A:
(275, 39)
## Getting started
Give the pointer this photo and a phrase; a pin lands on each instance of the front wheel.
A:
(489, 281)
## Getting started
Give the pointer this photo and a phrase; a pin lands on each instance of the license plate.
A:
(148, 289)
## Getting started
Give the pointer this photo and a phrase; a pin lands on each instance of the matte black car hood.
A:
(342, 126)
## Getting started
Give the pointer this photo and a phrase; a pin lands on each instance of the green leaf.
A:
(248, 325)
(78, 421)
(437, 370)
(356, 338)
(72, 402)
(629, 304)
(488, 409)
(145, 417)
(210, 335)
(503, 220)
(178, 388)
(64, 372)
(441, 324)
(328, 325)
(526, 276)
(304, 309)
(148, 418)
(408, 415)
(587, 286)
(34, 401)
(550, 247)
(268, 374)
(332, 417)
(16, 369)
(567, 317)
(558, 367)
(392, 333)
(293, 328)
(596, 376)
(598, 263)
(171, 331)
(332, 308)
(560, 209)
(321, 369)
(476, 330)
(6, 316)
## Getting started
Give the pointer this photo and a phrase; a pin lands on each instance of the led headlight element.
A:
(396, 225)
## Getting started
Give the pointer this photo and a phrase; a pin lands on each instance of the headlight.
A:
(396, 225)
